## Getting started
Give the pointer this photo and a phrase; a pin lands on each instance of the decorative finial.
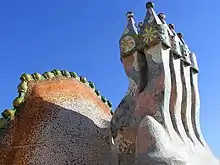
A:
(185, 49)
(162, 16)
(140, 27)
(127, 41)
(180, 35)
(149, 5)
(151, 17)
(130, 14)
(140, 24)
(172, 26)
(194, 63)
(131, 26)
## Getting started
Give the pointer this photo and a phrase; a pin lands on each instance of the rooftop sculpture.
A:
(61, 118)
(157, 122)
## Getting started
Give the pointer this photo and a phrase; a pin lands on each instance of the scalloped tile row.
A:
(9, 114)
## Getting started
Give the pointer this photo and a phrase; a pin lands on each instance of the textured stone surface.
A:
(157, 121)
(61, 122)
(143, 118)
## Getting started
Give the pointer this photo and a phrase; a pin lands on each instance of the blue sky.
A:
(82, 36)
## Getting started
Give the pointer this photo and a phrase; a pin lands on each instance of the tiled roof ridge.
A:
(22, 88)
